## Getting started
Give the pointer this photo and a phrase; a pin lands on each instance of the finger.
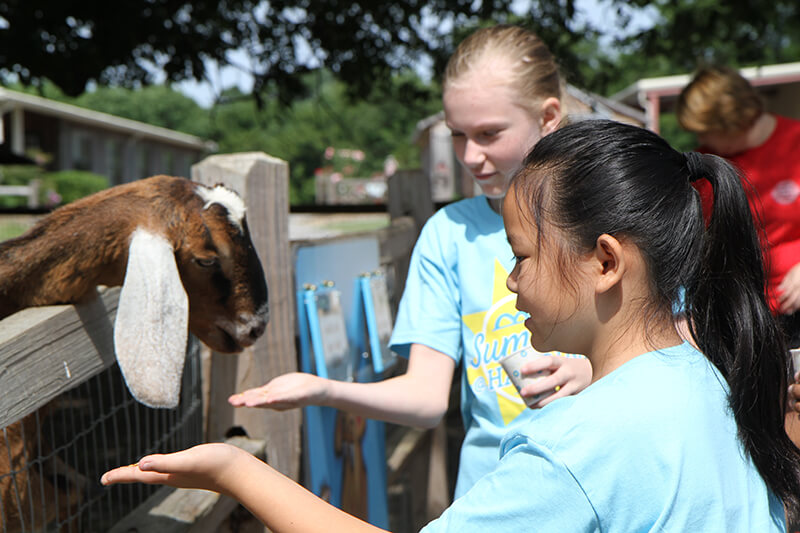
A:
(794, 389)
(540, 386)
(539, 364)
(557, 392)
(236, 400)
(132, 474)
(553, 397)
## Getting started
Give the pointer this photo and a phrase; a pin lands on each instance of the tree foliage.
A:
(688, 33)
(339, 72)
(73, 43)
(381, 124)
(363, 43)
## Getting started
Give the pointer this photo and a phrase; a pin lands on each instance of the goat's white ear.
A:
(152, 321)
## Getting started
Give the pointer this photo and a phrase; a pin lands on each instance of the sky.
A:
(596, 12)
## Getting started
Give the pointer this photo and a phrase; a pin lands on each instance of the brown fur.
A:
(85, 244)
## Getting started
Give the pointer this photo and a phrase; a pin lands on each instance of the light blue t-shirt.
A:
(456, 301)
(651, 447)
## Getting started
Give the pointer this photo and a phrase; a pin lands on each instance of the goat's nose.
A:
(258, 329)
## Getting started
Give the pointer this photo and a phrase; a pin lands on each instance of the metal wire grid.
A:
(86, 431)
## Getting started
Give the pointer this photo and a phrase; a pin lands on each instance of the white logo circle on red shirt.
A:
(785, 192)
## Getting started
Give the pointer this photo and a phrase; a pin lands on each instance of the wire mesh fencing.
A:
(51, 461)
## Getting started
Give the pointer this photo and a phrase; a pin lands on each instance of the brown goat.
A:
(183, 255)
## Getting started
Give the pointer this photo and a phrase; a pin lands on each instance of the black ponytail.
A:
(596, 177)
(733, 326)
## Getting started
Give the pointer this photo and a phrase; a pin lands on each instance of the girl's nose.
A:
(473, 154)
(511, 283)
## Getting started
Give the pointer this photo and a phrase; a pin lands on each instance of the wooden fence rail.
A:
(45, 351)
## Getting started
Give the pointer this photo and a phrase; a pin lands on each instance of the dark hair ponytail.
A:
(733, 326)
(598, 176)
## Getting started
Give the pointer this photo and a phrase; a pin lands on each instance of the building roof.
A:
(603, 107)
(10, 100)
(600, 107)
(670, 86)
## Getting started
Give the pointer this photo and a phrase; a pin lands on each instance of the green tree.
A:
(379, 125)
(119, 43)
(158, 105)
(688, 33)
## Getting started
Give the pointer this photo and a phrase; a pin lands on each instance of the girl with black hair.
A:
(607, 232)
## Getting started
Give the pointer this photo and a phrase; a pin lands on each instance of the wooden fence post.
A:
(263, 182)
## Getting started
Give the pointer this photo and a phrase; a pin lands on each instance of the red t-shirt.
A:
(773, 170)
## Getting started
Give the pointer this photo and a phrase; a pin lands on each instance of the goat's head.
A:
(198, 268)
(222, 273)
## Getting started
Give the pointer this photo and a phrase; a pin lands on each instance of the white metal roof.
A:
(10, 100)
(672, 85)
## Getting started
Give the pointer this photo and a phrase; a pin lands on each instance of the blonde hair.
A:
(534, 73)
(719, 100)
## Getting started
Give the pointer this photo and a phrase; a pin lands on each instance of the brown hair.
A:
(718, 99)
(535, 74)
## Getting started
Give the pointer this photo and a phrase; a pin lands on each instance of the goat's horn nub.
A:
(227, 199)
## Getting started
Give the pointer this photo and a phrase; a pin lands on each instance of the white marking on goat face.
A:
(227, 199)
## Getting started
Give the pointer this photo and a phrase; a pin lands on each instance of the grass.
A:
(9, 230)
(355, 226)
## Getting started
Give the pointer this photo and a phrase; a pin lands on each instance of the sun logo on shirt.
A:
(498, 331)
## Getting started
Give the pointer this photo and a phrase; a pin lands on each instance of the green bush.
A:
(73, 184)
(56, 188)
(18, 175)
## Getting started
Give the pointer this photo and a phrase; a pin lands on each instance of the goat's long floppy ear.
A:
(151, 328)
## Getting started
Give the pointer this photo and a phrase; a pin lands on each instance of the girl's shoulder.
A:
(474, 210)
(469, 219)
(645, 399)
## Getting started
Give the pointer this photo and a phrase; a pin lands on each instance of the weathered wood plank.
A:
(263, 182)
(45, 351)
(172, 510)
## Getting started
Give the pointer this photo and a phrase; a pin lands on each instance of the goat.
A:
(183, 255)
(161, 238)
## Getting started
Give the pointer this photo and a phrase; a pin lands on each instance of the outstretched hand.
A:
(277, 501)
(207, 466)
(568, 375)
(287, 391)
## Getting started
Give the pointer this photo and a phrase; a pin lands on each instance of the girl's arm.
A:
(417, 398)
(278, 502)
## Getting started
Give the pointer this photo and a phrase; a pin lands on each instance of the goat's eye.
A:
(206, 262)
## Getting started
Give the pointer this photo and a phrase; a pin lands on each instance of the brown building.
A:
(76, 138)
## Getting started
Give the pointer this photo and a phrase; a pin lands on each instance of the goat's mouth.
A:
(229, 342)
(227, 336)
(219, 340)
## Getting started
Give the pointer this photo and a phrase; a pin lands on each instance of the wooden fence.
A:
(30, 192)
(47, 351)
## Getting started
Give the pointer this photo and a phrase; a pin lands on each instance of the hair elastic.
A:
(695, 166)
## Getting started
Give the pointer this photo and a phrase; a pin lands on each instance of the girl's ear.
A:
(550, 116)
(611, 263)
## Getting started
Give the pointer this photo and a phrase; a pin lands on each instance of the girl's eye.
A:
(518, 259)
(206, 262)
